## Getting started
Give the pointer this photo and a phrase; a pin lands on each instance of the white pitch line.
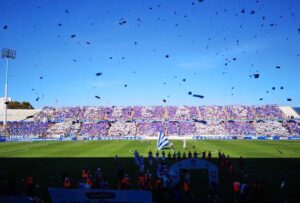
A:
(24, 148)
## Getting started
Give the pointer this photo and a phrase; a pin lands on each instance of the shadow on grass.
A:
(48, 172)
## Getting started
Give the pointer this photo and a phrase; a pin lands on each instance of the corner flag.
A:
(162, 141)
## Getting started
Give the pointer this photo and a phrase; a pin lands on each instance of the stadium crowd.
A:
(233, 112)
(234, 120)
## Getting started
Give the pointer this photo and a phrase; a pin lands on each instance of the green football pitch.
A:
(234, 148)
(266, 161)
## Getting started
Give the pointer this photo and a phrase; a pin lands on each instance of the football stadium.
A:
(248, 144)
(149, 101)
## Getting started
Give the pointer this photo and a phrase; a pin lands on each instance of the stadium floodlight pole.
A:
(8, 54)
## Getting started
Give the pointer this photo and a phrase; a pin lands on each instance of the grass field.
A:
(236, 148)
(47, 161)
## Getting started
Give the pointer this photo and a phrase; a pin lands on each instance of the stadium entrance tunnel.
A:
(195, 163)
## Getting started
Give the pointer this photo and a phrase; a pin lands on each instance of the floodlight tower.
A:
(8, 54)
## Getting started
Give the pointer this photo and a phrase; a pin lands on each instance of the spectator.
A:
(30, 185)
(125, 182)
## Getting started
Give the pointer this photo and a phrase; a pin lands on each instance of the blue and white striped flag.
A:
(162, 141)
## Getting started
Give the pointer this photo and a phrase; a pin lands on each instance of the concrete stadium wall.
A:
(289, 112)
(18, 114)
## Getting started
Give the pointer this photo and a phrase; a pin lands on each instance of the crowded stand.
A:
(122, 128)
(270, 128)
(2, 129)
(212, 112)
(27, 128)
(90, 114)
(186, 128)
(234, 120)
(293, 127)
(94, 129)
(150, 128)
(59, 114)
(240, 128)
(210, 128)
(63, 128)
(234, 112)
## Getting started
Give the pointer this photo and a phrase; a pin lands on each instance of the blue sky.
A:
(199, 37)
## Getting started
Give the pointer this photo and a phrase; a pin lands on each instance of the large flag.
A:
(162, 141)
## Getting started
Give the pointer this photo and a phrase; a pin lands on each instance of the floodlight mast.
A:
(8, 54)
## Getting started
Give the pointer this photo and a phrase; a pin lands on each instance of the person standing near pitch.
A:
(171, 145)
(184, 144)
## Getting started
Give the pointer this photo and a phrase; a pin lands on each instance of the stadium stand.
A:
(116, 121)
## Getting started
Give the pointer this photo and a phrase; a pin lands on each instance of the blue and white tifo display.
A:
(162, 141)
